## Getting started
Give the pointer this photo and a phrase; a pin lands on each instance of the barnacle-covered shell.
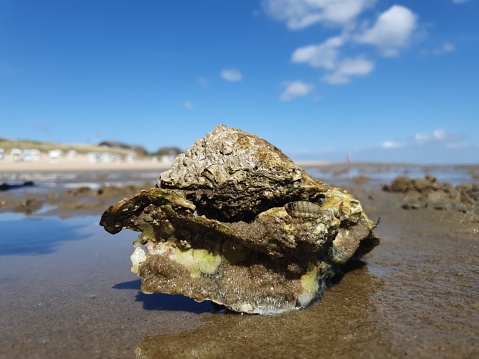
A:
(232, 175)
(237, 222)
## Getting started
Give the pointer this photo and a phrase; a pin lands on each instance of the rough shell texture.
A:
(237, 222)
(233, 175)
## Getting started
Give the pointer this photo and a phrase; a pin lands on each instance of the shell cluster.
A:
(236, 221)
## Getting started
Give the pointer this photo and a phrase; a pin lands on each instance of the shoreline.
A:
(83, 164)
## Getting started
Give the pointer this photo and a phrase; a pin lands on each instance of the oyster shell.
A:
(235, 221)
(232, 175)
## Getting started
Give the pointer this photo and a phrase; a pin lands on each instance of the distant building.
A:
(121, 145)
(168, 154)
(31, 155)
(94, 157)
(16, 155)
(55, 155)
(115, 144)
(103, 157)
(130, 158)
(71, 154)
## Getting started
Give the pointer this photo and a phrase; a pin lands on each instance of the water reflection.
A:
(41, 182)
(340, 325)
(167, 302)
(377, 174)
(22, 235)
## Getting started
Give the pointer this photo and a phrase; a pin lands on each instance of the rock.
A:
(400, 184)
(81, 191)
(235, 221)
(427, 192)
(411, 205)
(5, 186)
(29, 206)
(469, 193)
(422, 184)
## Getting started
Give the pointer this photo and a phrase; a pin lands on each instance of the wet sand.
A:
(415, 295)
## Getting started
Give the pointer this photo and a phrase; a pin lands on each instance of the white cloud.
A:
(231, 75)
(447, 148)
(456, 145)
(295, 89)
(326, 56)
(323, 55)
(188, 105)
(459, 1)
(392, 30)
(390, 144)
(299, 14)
(420, 137)
(444, 48)
(439, 134)
(347, 69)
(203, 82)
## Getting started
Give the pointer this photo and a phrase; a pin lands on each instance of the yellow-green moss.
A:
(310, 285)
(198, 261)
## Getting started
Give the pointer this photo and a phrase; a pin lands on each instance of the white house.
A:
(15, 155)
(55, 155)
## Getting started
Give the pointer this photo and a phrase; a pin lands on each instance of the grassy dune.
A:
(44, 147)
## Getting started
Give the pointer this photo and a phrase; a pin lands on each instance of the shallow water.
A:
(377, 174)
(36, 235)
(66, 290)
(338, 174)
(60, 181)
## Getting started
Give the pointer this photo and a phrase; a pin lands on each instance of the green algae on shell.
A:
(235, 221)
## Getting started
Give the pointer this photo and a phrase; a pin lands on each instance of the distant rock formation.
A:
(428, 192)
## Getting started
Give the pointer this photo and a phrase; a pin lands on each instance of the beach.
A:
(78, 163)
(67, 290)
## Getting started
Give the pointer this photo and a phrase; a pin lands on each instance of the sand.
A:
(80, 163)
(415, 295)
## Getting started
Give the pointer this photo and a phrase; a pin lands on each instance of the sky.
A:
(385, 81)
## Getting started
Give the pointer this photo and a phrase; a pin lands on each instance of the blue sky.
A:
(385, 80)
